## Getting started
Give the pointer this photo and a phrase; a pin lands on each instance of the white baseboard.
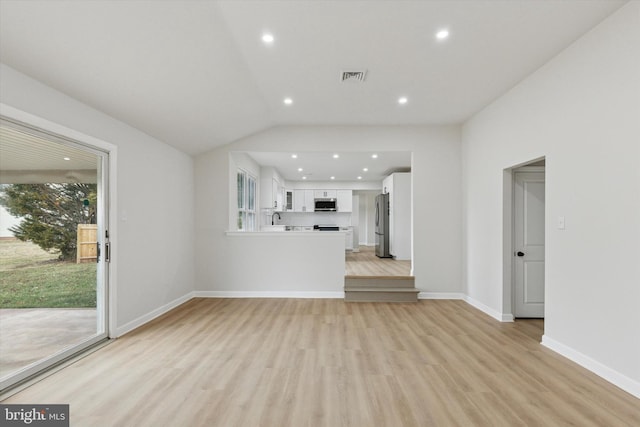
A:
(488, 310)
(507, 317)
(440, 295)
(269, 294)
(136, 323)
(614, 377)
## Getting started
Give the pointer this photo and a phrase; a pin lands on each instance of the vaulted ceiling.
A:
(196, 74)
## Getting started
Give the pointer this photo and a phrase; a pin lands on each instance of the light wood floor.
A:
(294, 362)
(366, 263)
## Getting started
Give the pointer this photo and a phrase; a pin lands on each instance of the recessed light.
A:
(333, 177)
(442, 34)
(299, 169)
(304, 177)
(335, 156)
(402, 100)
(66, 158)
(267, 38)
(359, 177)
(294, 156)
(374, 156)
(288, 101)
(365, 169)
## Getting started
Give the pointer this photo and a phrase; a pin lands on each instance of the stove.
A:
(326, 227)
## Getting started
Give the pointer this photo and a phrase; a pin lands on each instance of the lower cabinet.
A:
(348, 239)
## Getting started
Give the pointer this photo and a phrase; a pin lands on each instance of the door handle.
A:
(520, 253)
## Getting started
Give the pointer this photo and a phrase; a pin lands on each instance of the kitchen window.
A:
(246, 201)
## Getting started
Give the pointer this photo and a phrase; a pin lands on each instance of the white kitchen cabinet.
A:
(345, 200)
(348, 239)
(325, 194)
(288, 200)
(271, 189)
(303, 200)
(277, 196)
(298, 201)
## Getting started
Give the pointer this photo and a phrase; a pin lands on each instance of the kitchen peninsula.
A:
(303, 264)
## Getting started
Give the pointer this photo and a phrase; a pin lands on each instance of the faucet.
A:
(274, 214)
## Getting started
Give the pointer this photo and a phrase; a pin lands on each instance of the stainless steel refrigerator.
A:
(382, 226)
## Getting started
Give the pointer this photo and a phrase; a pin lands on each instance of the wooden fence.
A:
(87, 249)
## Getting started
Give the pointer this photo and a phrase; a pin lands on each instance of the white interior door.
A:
(529, 244)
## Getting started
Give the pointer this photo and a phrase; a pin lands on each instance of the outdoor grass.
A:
(33, 278)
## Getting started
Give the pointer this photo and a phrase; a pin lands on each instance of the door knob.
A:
(519, 253)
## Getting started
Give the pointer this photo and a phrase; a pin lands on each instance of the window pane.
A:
(251, 221)
(251, 203)
(240, 190)
(241, 220)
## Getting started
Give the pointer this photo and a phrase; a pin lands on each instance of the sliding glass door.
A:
(53, 249)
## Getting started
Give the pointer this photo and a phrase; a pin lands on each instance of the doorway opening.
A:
(524, 240)
(54, 249)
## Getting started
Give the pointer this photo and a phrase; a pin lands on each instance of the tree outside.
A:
(50, 213)
(37, 271)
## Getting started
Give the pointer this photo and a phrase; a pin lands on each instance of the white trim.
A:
(440, 295)
(524, 169)
(55, 128)
(488, 310)
(508, 317)
(614, 377)
(269, 294)
(136, 323)
(42, 365)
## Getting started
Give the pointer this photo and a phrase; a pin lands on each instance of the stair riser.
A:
(381, 296)
(379, 283)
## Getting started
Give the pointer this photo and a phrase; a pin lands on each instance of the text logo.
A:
(34, 415)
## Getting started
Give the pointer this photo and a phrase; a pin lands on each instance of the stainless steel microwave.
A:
(325, 205)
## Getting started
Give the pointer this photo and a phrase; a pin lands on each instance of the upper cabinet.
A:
(345, 200)
(325, 194)
(288, 200)
(271, 189)
(277, 195)
(303, 200)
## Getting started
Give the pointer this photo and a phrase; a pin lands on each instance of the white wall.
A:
(437, 195)
(153, 248)
(582, 112)
(367, 216)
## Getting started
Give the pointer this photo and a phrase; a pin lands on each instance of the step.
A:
(379, 281)
(380, 294)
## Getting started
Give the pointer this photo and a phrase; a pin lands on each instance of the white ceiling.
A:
(321, 166)
(195, 74)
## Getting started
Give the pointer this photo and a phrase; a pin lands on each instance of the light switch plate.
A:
(560, 223)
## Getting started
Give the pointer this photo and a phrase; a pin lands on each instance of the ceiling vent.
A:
(355, 76)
